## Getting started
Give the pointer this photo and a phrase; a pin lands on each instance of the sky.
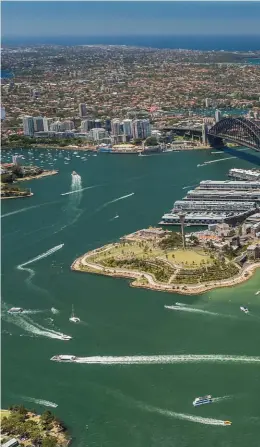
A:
(129, 18)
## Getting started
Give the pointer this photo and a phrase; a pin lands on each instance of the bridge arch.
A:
(238, 130)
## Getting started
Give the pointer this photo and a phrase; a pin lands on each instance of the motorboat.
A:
(202, 400)
(63, 358)
(227, 423)
(244, 309)
(74, 173)
(15, 310)
(74, 319)
(257, 293)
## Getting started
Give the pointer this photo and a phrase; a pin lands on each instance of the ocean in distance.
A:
(194, 42)
(125, 404)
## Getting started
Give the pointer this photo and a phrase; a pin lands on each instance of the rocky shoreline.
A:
(43, 174)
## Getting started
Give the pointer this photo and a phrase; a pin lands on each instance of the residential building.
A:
(98, 124)
(98, 134)
(47, 124)
(57, 126)
(38, 124)
(68, 125)
(87, 125)
(141, 128)
(127, 127)
(82, 109)
(28, 126)
(115, 126)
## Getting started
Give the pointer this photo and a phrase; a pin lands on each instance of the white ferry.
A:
(202, 400)
(244, 309)
(15, 310)
(64, 358)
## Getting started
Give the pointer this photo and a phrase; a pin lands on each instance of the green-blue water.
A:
(117, 405)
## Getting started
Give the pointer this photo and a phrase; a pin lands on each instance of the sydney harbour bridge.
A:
(240, 131)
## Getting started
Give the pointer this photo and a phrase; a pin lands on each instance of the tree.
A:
(151, 141)
(49, 441)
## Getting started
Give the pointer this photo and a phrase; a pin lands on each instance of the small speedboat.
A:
(74, 319)
(227, 423)
(202, 400)
(74, 173)
(244, 309)
(63, 358)
(15, 310)
(257, 293)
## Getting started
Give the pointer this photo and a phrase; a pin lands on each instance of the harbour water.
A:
(111, 398)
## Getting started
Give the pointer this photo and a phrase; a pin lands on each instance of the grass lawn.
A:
(180, 255)
(4, 413)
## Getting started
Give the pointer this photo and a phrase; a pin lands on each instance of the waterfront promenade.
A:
(148, 281)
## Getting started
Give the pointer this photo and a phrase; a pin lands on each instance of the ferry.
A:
(64, 358)
(15, 310)
(74, 319)
(244, 309)
(202, 400)
(227, 423)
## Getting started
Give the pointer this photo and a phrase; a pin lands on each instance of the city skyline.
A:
(33, 18)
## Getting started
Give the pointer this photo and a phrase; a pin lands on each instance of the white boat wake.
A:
(168, 413)
(166, 359)
(78, 190)
(45, 403)
(182, 416)
(37, 258)
(30, 326)
(216, 161)
(191, 309)
(33, 311)
(221, 398)
(55, 311)
(22, 210)
(115, 200)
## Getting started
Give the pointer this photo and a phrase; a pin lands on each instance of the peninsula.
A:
(156, 259)
(14, 172)
(27, 428)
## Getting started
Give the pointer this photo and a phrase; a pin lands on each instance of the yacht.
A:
(227, 423)
(202, 400)
(74, 319)
(63, 358)
(15, 310)
(244, 309)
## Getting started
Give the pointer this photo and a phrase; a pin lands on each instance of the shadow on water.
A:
(244, 155)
